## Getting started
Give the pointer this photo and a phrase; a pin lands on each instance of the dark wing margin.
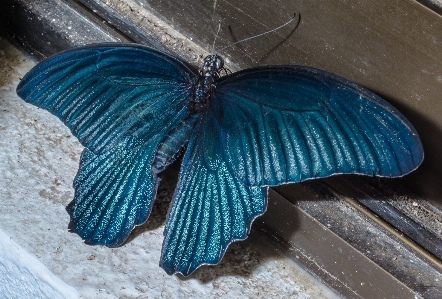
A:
(292, 123)
(211, 208)
(105, 93)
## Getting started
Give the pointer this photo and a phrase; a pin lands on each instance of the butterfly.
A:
(135, 109)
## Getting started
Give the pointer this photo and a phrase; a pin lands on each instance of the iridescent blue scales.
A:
(135, 108)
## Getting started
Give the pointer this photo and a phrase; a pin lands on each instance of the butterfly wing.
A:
(292, 123)
(210, 208)
(120, 101)
(114, 192)
(107, 92)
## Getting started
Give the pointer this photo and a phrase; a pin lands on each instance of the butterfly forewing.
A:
(292, 123)
(121, 101)
(105, 93)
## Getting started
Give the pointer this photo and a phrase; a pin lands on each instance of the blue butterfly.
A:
(135, 109)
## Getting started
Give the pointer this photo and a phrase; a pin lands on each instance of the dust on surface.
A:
(10, 59)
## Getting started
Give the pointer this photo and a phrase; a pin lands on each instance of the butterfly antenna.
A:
(264, 33)
(216, 35)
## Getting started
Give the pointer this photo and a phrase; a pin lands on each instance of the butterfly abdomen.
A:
(170, 147)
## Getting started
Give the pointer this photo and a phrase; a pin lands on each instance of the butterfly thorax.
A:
(204, 86)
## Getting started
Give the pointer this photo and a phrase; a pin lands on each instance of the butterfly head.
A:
(212, 65)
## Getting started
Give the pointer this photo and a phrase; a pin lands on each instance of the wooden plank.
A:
(329, 256)
(365, 232)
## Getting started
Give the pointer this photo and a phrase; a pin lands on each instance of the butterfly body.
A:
(197, 103)
(135, 109)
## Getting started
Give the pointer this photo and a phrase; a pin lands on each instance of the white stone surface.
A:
(38, 161)
(23, 276)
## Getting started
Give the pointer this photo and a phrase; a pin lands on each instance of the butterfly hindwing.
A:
(114, 192)
(211, 208)
(105, 93)
(292, 123)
